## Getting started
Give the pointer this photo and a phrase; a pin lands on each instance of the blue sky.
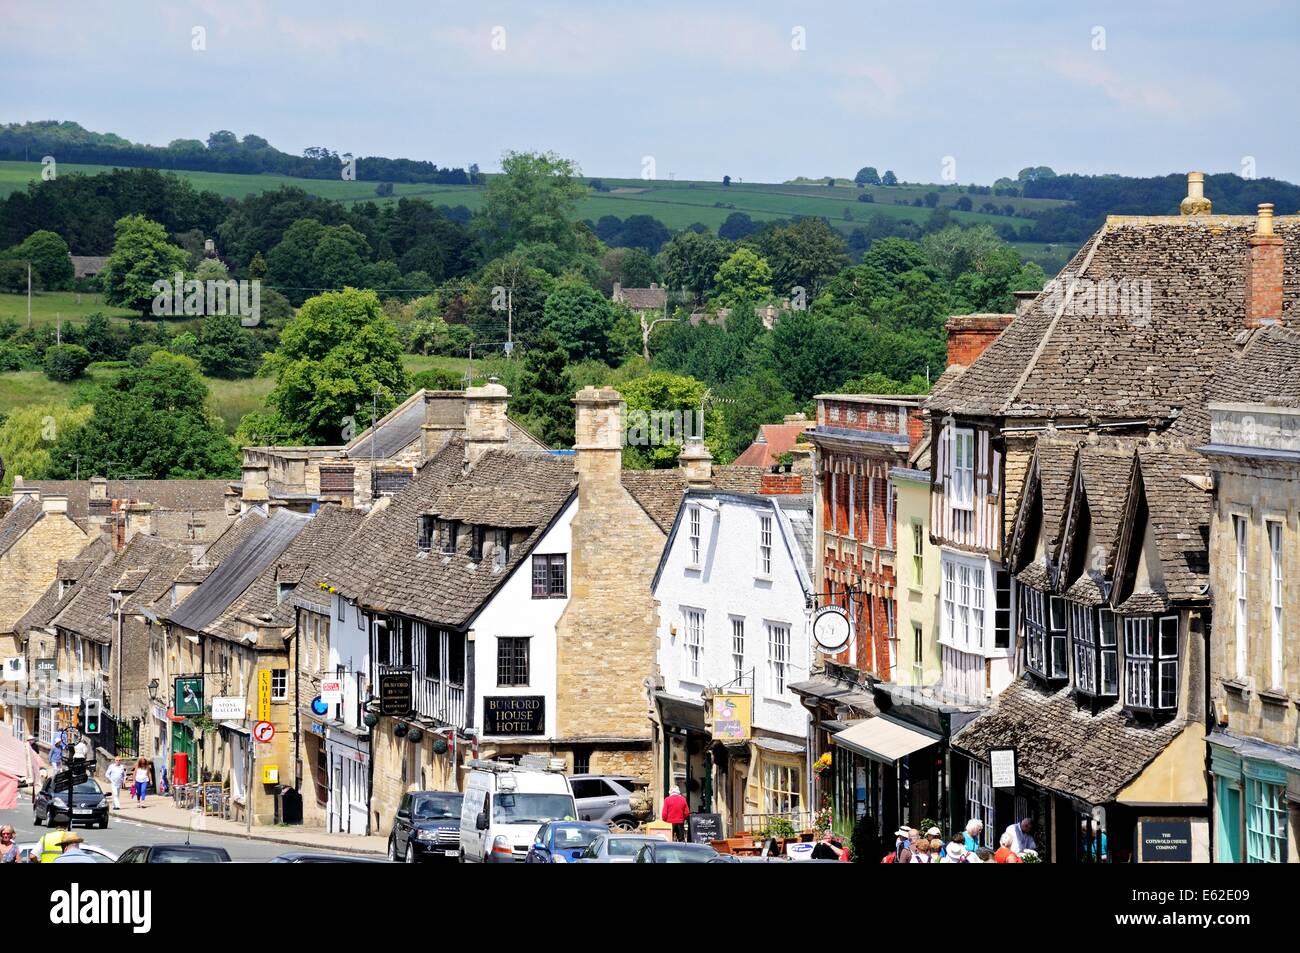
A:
(707, 89)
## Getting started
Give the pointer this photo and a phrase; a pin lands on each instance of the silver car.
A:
(609, 799)
(613, 849)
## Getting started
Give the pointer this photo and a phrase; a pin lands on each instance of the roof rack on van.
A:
(527, 762)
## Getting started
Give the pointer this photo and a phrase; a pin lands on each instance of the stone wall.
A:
(29, 566)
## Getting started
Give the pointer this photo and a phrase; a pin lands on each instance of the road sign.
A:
(264, 694)
(188, 695)
(71, 736)
(228, 709)
(264, 731)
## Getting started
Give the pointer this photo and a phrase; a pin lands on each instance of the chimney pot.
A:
(1195, 203)
(1264, 221)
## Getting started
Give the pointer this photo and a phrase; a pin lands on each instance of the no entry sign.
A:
(264, 731)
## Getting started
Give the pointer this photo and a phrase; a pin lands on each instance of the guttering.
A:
(1112, 425)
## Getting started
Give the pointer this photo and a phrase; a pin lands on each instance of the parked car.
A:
(89, 805)
(503, 808)
(174, 854)
(302, 857)
(613, 799)
(562, 842)
(427, 824)
(667, 852)
(614, 848)
(31, 851)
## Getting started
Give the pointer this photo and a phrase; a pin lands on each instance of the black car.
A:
(427, 825)
(303, 857)
(89, 804)
(174, 854)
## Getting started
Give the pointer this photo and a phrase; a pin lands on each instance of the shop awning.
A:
(881, 739)
(681, 712)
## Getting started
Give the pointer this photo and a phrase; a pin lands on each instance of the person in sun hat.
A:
(901, 853)
(956, 852)
(72, 852)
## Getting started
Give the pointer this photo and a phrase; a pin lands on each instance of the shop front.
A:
(1256, 800)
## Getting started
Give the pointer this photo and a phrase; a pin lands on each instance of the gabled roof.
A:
(1064, 359)
(1047, 482)
(185, 495)
(1099, 485)
(659, 493)
(1264, 369)
(1065, 749)
(383, 567)
(74, 571)
(773, 440)
(20, 518)
(402, 426)
(88, 613)
(239, 570)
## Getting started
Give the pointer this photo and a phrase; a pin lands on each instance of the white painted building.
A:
(735, 594)
(514, 642)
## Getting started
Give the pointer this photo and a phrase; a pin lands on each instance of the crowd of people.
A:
(912, 846)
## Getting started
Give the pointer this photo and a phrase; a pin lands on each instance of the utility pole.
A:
(29, 294)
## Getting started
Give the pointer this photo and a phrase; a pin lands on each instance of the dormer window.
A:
(282, 590)
(1151, 663)
(425, 541)
(1096, 656)
(501, 548)
(447, 537)
(1045, 633)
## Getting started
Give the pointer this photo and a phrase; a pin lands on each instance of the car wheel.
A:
(103, 825)
(410, 853)
(36, 819)
(625, 824)
(392, 850)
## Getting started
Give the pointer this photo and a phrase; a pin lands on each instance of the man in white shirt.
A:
(116, 774)
(1022, 836)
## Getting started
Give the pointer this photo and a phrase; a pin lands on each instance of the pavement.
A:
(160, 811)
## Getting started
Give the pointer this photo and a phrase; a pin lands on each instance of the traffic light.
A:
(92, 716)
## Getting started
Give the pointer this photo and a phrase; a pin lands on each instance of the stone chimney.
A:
(22, 491)
(1196, 203)
(485, 420)
(1264, 272)
(696, 464)
(970, 334)
(138, 518)
(1024, 299)
(54, 504)
(444, 415)
(598, 430)
(255, 477)
(618, 291)
(98, 488)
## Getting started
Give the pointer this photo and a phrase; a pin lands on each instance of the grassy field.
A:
(48, 307)
(675, 203)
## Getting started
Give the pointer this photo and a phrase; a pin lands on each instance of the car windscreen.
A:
(436, 806)
(531, 808)
(172, 855)
(85, 787)
(625, 846)
(681, 854)
(572, 838)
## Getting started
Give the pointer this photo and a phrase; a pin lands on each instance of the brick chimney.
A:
(485, 420)
(778, 484)
(1264, 272)
(1196, 203)
(970, 334)
(696, 463)
(598, 445)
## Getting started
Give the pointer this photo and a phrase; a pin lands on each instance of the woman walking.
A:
(141, 780)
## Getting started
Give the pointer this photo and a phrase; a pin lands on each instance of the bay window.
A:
(1092, 633)
(1151, 663)
(1266, 820)
(964, 606)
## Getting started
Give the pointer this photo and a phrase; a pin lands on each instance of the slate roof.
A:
(659, 492)
(76, 571)
(798, 509)
(88, 612)
(738, 479)
(1065, 749)
(1106, 470)
(1264, 369)
(1055, 468)
(382, 565)
(238, 571)
(20, 518)
(1119, 363)
(773, 440)
(643, 299)
(1180, 513)
(185, 495)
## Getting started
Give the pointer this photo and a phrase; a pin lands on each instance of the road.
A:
(122, 832)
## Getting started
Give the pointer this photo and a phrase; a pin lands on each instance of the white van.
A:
(505, 805)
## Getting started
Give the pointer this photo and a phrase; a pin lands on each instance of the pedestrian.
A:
(166, 785)
(116, 775)
(141, 780)
(902, 853)
(51, 845)
(828, 849)
(1022, 836)
(8, 846)
(921, 852)
(72, 852)
(1004, 854)
(971, 839)
(955, 852)
(936, 848)
(675, 812)
(81, 750)
(56, 754)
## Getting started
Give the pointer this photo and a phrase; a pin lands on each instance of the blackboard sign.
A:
(1166, 841)
(704, 828)
(395, 693)
(514, 715)
(212, 799)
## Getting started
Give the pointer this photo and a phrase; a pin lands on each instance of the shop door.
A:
(1229, 824)
(336, 807)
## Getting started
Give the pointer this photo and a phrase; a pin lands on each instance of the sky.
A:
(760, 91)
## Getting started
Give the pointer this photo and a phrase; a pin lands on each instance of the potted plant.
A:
(786, 460)
(822, 764)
